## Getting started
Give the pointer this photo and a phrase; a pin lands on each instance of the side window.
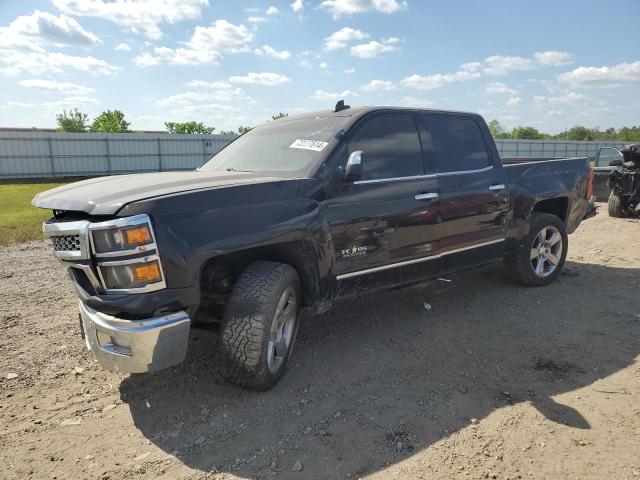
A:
(391, 147)
(453, 144)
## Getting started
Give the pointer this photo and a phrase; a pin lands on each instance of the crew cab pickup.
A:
(297, 215)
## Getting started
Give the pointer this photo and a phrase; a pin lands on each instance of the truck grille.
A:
(66, 243)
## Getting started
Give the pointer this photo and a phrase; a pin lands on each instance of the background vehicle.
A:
(298, 214)
(623, 180)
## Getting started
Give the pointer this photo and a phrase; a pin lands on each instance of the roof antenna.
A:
(341, 106)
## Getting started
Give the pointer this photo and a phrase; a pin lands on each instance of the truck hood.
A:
(107, 195)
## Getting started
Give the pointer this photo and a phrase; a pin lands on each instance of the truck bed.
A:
(537, 179)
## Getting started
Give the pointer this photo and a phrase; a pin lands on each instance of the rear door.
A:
(387, 217)
(473, 187)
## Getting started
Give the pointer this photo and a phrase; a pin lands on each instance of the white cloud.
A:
(603, 76)
(272, 52)
(415, 102)
(328, 96)
(256, 19)
(471, 66)
(323, 65)
(72, 102)
(272, 10)
(342, 37)
(267, 79)
(374, 48)
(191, 98)
(297, 6)
(66, 88)
(379, 86)
(429, 82)
(499, 88)
(349, 7)
(349, 71)
(36, 62)
(219, 85)
(123, 47)
(569, 98)
(66, 103)
(501, 64)
(555, 113)
(553, 58)
(31, 32)
(139, 16)
(208, 45)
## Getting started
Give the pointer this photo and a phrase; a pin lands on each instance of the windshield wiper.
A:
(230, 169)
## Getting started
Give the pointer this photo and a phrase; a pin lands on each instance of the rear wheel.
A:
(259, 325)
(541, 254)
(615, 206)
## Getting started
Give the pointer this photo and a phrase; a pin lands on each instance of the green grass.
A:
(19, 220)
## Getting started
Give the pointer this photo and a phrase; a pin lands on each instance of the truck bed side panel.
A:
(532, 182)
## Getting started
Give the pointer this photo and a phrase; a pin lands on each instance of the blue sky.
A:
(549, 64)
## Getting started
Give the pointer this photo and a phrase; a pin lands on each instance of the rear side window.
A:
(454, 144)
(391, 147)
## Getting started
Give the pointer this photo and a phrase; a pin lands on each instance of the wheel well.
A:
(555, 206)
(218, 275)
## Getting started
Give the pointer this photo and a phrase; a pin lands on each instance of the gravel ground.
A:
(495, 381)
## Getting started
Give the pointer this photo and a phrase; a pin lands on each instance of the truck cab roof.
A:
(358, 112)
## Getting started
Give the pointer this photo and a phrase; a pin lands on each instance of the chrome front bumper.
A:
(135, 346)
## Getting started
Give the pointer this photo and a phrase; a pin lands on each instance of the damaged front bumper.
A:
(136, 346)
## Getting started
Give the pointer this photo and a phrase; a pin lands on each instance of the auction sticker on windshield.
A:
(314, 145)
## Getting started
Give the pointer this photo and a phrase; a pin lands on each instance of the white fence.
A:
(522, 149)
(51, 154)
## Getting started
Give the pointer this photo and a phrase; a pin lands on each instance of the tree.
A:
(228, 132)
(629, 134)
(528, 133)
(279, 115)
(72, 121)
(243, 130)
(581, 133)
(497, 130)
(188, 127)
(110, 121)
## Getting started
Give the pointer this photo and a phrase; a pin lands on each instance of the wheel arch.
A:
(558, 206)
(219, 273)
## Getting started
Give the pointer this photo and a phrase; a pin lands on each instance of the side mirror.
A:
(353, 170)
(615, 162)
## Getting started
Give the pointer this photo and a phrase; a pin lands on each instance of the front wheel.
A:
(259, 325)
(539, 258)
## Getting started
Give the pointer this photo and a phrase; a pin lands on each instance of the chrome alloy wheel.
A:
(546, 251)
(282, 327)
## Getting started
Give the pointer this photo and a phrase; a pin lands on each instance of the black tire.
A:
(520, 263)
(249, 320)
(615, 206)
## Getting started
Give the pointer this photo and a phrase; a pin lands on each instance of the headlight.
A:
(130, 274)
(121, 238)
(126, 255)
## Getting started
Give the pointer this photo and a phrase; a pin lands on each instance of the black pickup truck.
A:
(299, 214)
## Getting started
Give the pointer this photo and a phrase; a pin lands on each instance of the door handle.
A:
(427, 196)
(497, 186)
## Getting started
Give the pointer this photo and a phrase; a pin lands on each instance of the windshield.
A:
(279, 147)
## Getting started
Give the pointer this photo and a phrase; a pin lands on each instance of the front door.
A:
(388, 218)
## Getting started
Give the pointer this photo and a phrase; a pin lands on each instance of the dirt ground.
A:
(495, 381)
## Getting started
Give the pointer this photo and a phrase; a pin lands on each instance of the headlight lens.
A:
(123, 238)
(131, 275)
